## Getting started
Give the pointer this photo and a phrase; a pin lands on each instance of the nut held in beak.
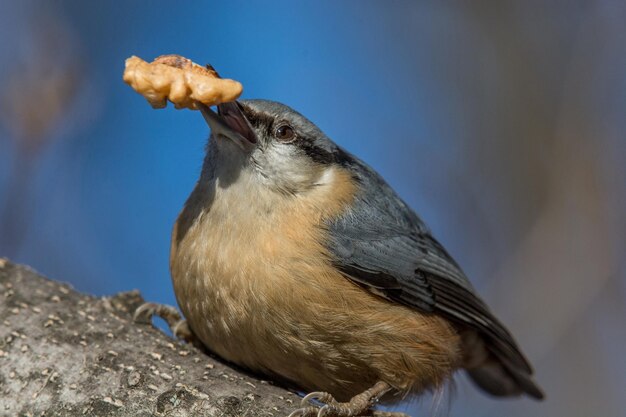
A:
(179, 80)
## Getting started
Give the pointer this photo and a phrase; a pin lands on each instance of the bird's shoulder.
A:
(380, 235)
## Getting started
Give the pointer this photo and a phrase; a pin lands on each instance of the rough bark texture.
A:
(66, 353)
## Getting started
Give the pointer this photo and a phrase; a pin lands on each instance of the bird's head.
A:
(270, 142)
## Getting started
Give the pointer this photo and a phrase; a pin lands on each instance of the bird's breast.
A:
(249, 262)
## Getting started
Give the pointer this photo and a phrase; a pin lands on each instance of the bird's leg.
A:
(359, 405)
(179, 327)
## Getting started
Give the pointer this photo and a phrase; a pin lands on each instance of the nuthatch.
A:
(295, 259)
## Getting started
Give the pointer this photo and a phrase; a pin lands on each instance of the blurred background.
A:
(503, 123)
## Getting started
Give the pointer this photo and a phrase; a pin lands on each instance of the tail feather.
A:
(494, 372)
(500, 380)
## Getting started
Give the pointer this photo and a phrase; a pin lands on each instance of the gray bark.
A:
(71, 354)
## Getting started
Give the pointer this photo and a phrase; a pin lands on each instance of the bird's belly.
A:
(277, 325)
(317, 330)
(263, 294)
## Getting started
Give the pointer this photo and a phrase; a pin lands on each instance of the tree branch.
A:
(62, 352)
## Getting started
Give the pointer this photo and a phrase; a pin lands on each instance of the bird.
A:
(296, 260)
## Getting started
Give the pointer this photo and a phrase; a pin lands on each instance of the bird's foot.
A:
(359, 405)
(179, 327)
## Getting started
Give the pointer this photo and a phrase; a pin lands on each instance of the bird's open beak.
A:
(229, 121)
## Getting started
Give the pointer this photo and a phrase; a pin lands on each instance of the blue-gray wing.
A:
(380, 243)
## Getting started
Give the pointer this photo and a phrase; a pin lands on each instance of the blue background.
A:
(501, 123)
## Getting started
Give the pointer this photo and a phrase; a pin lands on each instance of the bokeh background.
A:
(503, 123)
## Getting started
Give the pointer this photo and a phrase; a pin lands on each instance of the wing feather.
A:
(380, 243)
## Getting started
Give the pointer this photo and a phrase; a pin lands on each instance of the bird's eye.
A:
(285, 133)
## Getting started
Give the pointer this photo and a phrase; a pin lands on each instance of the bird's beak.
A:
(229, 121)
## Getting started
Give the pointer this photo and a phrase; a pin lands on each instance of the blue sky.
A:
(422, 92)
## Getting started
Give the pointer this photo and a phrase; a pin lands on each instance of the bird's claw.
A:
(359, 405)
(319, 396)
(304, 412)
(329, 408)
(179, 327)
(315, 412)
(311, 409)
(324, 410)
(146, 311)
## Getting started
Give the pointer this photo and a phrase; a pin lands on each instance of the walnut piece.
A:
(179, 80)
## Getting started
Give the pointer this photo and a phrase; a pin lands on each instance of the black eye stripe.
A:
(269, 123)
(317, 154)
